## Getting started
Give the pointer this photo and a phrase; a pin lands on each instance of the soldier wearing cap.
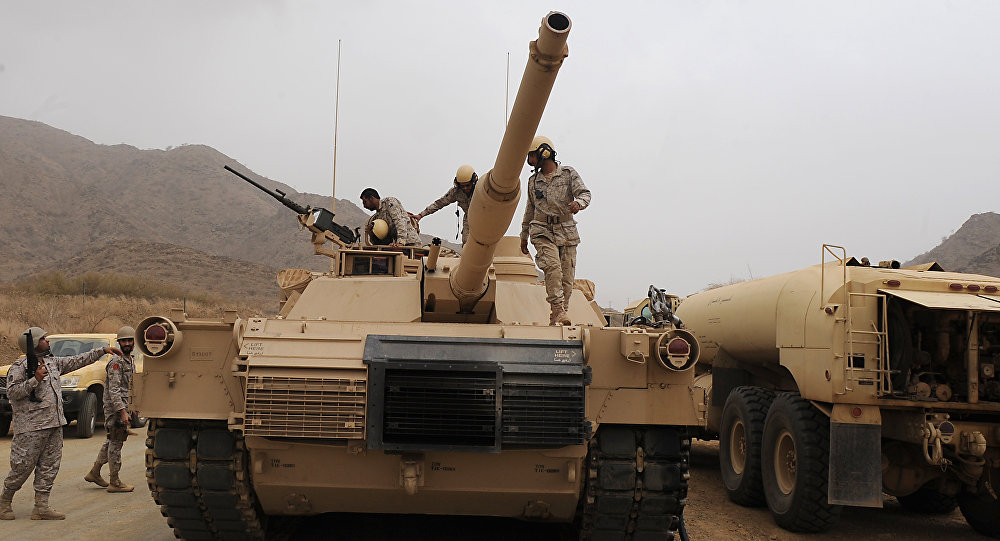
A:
(400, 230)
(461, 193)
(120, 369)
(555, 194)
(37, 404)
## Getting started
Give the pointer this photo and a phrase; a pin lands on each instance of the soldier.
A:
(401, 230)
(555, 194)
(461, 193)
(38, 420)
(116, 415)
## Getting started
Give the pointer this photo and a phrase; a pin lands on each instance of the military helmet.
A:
(380, 228)
(465, 175)
(543, 146)
(37, 333)
(126, 333)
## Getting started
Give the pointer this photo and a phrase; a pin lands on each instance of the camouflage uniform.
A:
(549, 224)
(37, 442)
(454, 195)
(400, 227)
(120, 370)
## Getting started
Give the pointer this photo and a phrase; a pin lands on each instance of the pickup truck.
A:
(83, 389)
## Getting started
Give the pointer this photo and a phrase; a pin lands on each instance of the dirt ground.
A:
(94, 515)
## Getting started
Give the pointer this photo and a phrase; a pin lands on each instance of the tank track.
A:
(636, 486)
(197, 474)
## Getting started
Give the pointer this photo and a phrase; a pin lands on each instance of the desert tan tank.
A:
(409, 382)
(833, 384)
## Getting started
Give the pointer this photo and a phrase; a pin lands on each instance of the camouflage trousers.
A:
(111, 451)
(39, 451)
(559, 265)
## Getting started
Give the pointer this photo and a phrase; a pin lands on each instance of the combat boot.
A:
(118, 486)
(42, 511)
(558, 316)
(6, 513)
(95, 475)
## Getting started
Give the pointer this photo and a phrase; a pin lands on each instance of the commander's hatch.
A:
(396, 261)
(948, 301)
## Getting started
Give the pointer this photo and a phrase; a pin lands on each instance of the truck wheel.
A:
(795, 464)
(982, 510)
(740, 435)
(4, 425)
(85, 417)
(928, 501)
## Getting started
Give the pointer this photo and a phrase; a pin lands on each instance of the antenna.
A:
(506, 93)
(336, 126)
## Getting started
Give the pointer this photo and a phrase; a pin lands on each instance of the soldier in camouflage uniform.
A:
(401, 230)
(38, 422)
(461, 193)
(116, 415)
(555, 194)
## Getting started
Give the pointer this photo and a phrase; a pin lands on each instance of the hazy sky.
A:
(720, 139)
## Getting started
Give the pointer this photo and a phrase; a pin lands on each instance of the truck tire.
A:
(740, 434)
(4, 425)
(928, 501)
(795, 461)
(982, 510)
(85, 418)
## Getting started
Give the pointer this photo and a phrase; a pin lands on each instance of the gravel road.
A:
(94, 515)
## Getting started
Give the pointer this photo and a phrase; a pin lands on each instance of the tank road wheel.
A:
(740, 436)
(795, 465)
(636, 484)
(85, 417)
(928, 501)
(197, 472)
(982, 510)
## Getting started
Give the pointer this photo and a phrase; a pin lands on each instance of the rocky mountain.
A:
(66, 195)
(974, 248)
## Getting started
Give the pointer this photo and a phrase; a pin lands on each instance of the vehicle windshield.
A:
(67, 347)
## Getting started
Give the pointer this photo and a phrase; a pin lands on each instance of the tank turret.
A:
(498, 192)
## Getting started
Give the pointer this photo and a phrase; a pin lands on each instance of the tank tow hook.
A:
(411, 474)
(934, 437)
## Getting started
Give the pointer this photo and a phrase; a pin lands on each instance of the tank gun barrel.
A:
(495, 200)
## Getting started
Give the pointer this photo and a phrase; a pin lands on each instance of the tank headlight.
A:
(677, 350)
(157, 336)
(69, 381)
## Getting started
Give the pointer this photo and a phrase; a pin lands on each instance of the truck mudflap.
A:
(855, 464)
(475, 394)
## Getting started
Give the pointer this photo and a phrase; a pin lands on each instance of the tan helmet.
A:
(465, 175)
(37, 333)
(380, 228)
(126, 332)
(543, 146)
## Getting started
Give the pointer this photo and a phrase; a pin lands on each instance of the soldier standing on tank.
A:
(37, 404)
(116, 415)
(555, 194)
(401, 229)
(461, 193)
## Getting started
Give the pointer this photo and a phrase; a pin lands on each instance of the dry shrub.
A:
(22, 307)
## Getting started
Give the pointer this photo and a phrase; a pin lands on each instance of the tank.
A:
(833, 384)
(408, 382)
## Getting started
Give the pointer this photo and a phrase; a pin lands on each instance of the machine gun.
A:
(32, 363)
(318, 220)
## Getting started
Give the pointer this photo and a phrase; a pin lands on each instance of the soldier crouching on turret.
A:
(555, 194)
(116, 415)
(37, 402)
(401, 230)
(461, 193)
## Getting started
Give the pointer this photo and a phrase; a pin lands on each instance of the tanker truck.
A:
(830, 385)
(406, 381)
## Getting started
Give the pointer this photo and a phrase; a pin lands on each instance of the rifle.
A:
(319, 219)
(32, 364)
